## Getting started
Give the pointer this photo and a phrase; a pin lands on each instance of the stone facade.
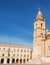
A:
(12, 53)
(41, 40)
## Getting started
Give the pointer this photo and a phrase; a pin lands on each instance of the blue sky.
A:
(17, 18)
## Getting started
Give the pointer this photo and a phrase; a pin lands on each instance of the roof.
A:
(39, 15)
(14, 45)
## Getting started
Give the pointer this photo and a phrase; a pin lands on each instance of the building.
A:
(12, 53)
(41, 40)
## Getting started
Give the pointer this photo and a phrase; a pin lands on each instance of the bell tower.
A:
(39, 32)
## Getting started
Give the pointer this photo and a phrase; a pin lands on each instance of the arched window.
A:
(8, 60)
(17, 60)
(24, 55)
(24, 60)
(13, 54)
(2, 60)
(41, 24)
(41, 33)
(24, 50)
(21, 50)
(20, 60)
(27, 59)
(17, 50)
(13, 60)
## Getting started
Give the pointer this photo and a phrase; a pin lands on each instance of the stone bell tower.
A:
(39, 33)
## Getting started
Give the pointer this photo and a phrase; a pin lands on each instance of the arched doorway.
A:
(8, 60)
(2, 61)
(17, 60)
(23, 60)
(20, 60)
(13, 60)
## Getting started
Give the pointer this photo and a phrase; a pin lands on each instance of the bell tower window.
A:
(41, 24)
(41, 33)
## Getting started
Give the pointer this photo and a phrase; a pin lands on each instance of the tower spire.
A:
(39, 15)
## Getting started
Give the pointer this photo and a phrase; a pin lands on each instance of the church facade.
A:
(41, 40)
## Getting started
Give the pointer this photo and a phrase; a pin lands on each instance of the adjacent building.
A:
(12, 53)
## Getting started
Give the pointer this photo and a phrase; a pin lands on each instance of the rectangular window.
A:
(21, 50)
(17, 50)
(24, 55)
(24, 50)
(28, 50)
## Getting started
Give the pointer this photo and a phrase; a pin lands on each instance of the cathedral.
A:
(41, 40)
